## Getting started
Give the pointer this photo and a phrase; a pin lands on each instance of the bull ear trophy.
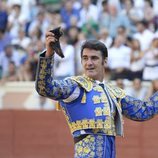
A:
(58, 32)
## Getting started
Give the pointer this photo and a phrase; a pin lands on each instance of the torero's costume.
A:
(93, 110)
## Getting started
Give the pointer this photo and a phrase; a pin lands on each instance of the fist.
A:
(49, 40)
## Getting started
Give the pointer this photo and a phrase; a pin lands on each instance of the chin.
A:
(92, 76)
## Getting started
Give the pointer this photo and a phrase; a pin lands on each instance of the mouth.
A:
(90, 69)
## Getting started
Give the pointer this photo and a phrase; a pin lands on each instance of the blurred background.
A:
(29, 125)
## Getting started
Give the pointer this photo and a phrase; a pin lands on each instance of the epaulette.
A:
(84, 82)
(116, 91)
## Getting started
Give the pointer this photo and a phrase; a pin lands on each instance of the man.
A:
(93, 108)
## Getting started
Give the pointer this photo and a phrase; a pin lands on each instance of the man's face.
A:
(93, 64)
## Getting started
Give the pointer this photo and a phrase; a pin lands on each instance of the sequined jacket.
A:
(87, 105)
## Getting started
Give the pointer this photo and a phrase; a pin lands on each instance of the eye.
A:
(95, 58)
(84, 58)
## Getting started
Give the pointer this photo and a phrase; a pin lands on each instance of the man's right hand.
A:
(49, 39)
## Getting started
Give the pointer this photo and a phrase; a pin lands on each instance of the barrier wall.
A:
(34, 134)
(45, 134)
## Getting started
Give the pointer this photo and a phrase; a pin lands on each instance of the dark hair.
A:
(104, 2)
(143, 22)
(95, 45)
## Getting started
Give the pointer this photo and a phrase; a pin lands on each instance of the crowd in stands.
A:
(129, 29)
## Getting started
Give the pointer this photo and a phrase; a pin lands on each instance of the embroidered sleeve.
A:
(140, 110)
(46, 86)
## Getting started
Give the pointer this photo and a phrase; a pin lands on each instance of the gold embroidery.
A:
(78, 124)
(86, 83)
(98, 89)
(107, 124)
(103, 98)
(90, 147)
(99, 124)
(98, 111)
(96, 99)
(42, 74)
(92, 124)
(85, 124)
(115, 91)
(102, 111)
(106, 111)
(85, 148)
(84, 98)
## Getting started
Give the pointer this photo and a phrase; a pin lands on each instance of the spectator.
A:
(149, 13)
(72, 33)
(89, 19)
(12, 73)
(21, 40)
(113, 20)
(134, 14)
(120, 83)
(122, 31)
(25, 71)
(29, 61)
(119, 59)
(14, 20)
(40, 24)
(151, 61)
(137, 60)
(105, 37)
(67, 12)
(8, 55)
(154, 85)
(69, 61)
(5, 37)
(103, 13)
(144, 35)
(3, 17)
(81, 39)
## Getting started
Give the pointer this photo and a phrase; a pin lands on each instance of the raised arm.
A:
(45, 84)
(138, 110)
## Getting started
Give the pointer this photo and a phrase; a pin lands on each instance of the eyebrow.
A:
(90, 56)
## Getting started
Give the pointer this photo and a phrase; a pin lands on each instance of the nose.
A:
(89, 61)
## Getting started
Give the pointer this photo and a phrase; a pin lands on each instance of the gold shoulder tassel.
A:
(57, 106)
(84, 97)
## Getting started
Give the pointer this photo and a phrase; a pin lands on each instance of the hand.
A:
(50, 39)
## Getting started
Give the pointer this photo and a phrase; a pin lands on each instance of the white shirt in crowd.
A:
(145, 38)
(119, 57)
(65, 66)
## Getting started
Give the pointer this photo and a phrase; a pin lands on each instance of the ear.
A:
(105, 62)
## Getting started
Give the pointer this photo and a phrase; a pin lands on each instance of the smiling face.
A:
(93, 64)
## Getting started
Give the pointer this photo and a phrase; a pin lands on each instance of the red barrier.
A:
(45, 134)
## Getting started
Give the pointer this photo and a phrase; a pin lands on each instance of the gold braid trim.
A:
(84, 82)
(116, 91)
(106, 125)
